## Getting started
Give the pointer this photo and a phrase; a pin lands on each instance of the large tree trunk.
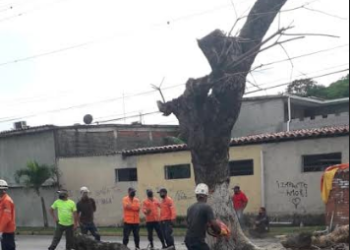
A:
(210, 106)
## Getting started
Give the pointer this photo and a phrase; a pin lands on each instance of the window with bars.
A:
(242, 168)
(320, 162)
(126, 175)
(176, 172)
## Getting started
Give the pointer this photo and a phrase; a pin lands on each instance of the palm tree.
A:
(34, 176)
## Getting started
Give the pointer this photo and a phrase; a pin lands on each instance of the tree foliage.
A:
(35, 175)
(310, 88)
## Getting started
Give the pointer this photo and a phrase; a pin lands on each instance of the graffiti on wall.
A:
(103, 197)
(182, 196)
(295, 192)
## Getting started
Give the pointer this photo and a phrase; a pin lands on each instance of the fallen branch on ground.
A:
(85, 243)
(330, 241)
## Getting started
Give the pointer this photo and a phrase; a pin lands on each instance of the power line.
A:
(304, 55)
(286, 84)
(16, 118)
(41, 98)
(154, 112)
(129, 117)
(158, 112)
(23, 13)
(306, 75)
(56, 51)
(3, 120)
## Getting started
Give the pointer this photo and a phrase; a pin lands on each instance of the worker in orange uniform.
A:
(167, 217)
(7, 218)
(151, 210)
(132, 209)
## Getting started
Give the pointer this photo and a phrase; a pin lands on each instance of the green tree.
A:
(302, 87)
(339, 89)
(34, 176)
(310, 88)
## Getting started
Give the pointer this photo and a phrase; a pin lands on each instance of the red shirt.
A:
(240, 201)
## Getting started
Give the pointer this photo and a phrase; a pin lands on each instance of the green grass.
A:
(179, 232)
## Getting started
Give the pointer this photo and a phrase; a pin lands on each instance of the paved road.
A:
(43, 242)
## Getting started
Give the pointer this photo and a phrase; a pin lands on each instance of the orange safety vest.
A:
(167, 210)
(131, 210)
(7, 215)
(151, 210)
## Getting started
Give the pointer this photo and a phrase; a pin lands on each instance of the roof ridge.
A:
(253, 139)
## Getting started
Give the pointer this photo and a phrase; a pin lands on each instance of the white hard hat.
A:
(3, 185)
(84, 190)
(202, 189)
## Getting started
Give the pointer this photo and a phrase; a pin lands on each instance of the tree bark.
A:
(43, 208)
(308, 241)
(83, 242)
(210, 106)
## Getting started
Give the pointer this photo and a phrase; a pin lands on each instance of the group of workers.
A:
(160, 217)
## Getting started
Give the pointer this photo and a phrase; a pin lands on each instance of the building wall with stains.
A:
(290, 191)
(98, 174)
(151, 172)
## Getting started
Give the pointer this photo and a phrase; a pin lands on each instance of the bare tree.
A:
(209, 107)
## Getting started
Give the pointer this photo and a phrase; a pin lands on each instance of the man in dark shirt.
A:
(86, 208)
(261, 225)
(200, 216)
(262, 222)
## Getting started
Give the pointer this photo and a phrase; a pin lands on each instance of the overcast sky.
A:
(121, 47)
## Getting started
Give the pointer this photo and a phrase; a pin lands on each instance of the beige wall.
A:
(98, 174)
(152, 175)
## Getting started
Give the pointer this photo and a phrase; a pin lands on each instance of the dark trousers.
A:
(135, 229)
(167, 230)
(60, 230)
(8, 241)
(155, 226)
(196, 244)
(90, 227)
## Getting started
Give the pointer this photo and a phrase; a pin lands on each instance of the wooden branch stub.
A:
(219, 49)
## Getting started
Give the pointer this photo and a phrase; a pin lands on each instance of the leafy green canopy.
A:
(35, 175)
(310, 88)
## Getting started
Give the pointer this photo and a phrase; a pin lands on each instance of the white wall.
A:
(290, 191)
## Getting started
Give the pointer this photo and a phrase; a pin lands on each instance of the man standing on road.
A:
(7, 218)
(200, 217)
(240, 202)
(151, 210)
(167, 217)
(66, 220)
(132, 207)
(86, 208)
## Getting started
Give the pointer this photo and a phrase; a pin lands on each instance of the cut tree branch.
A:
(310, 34)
